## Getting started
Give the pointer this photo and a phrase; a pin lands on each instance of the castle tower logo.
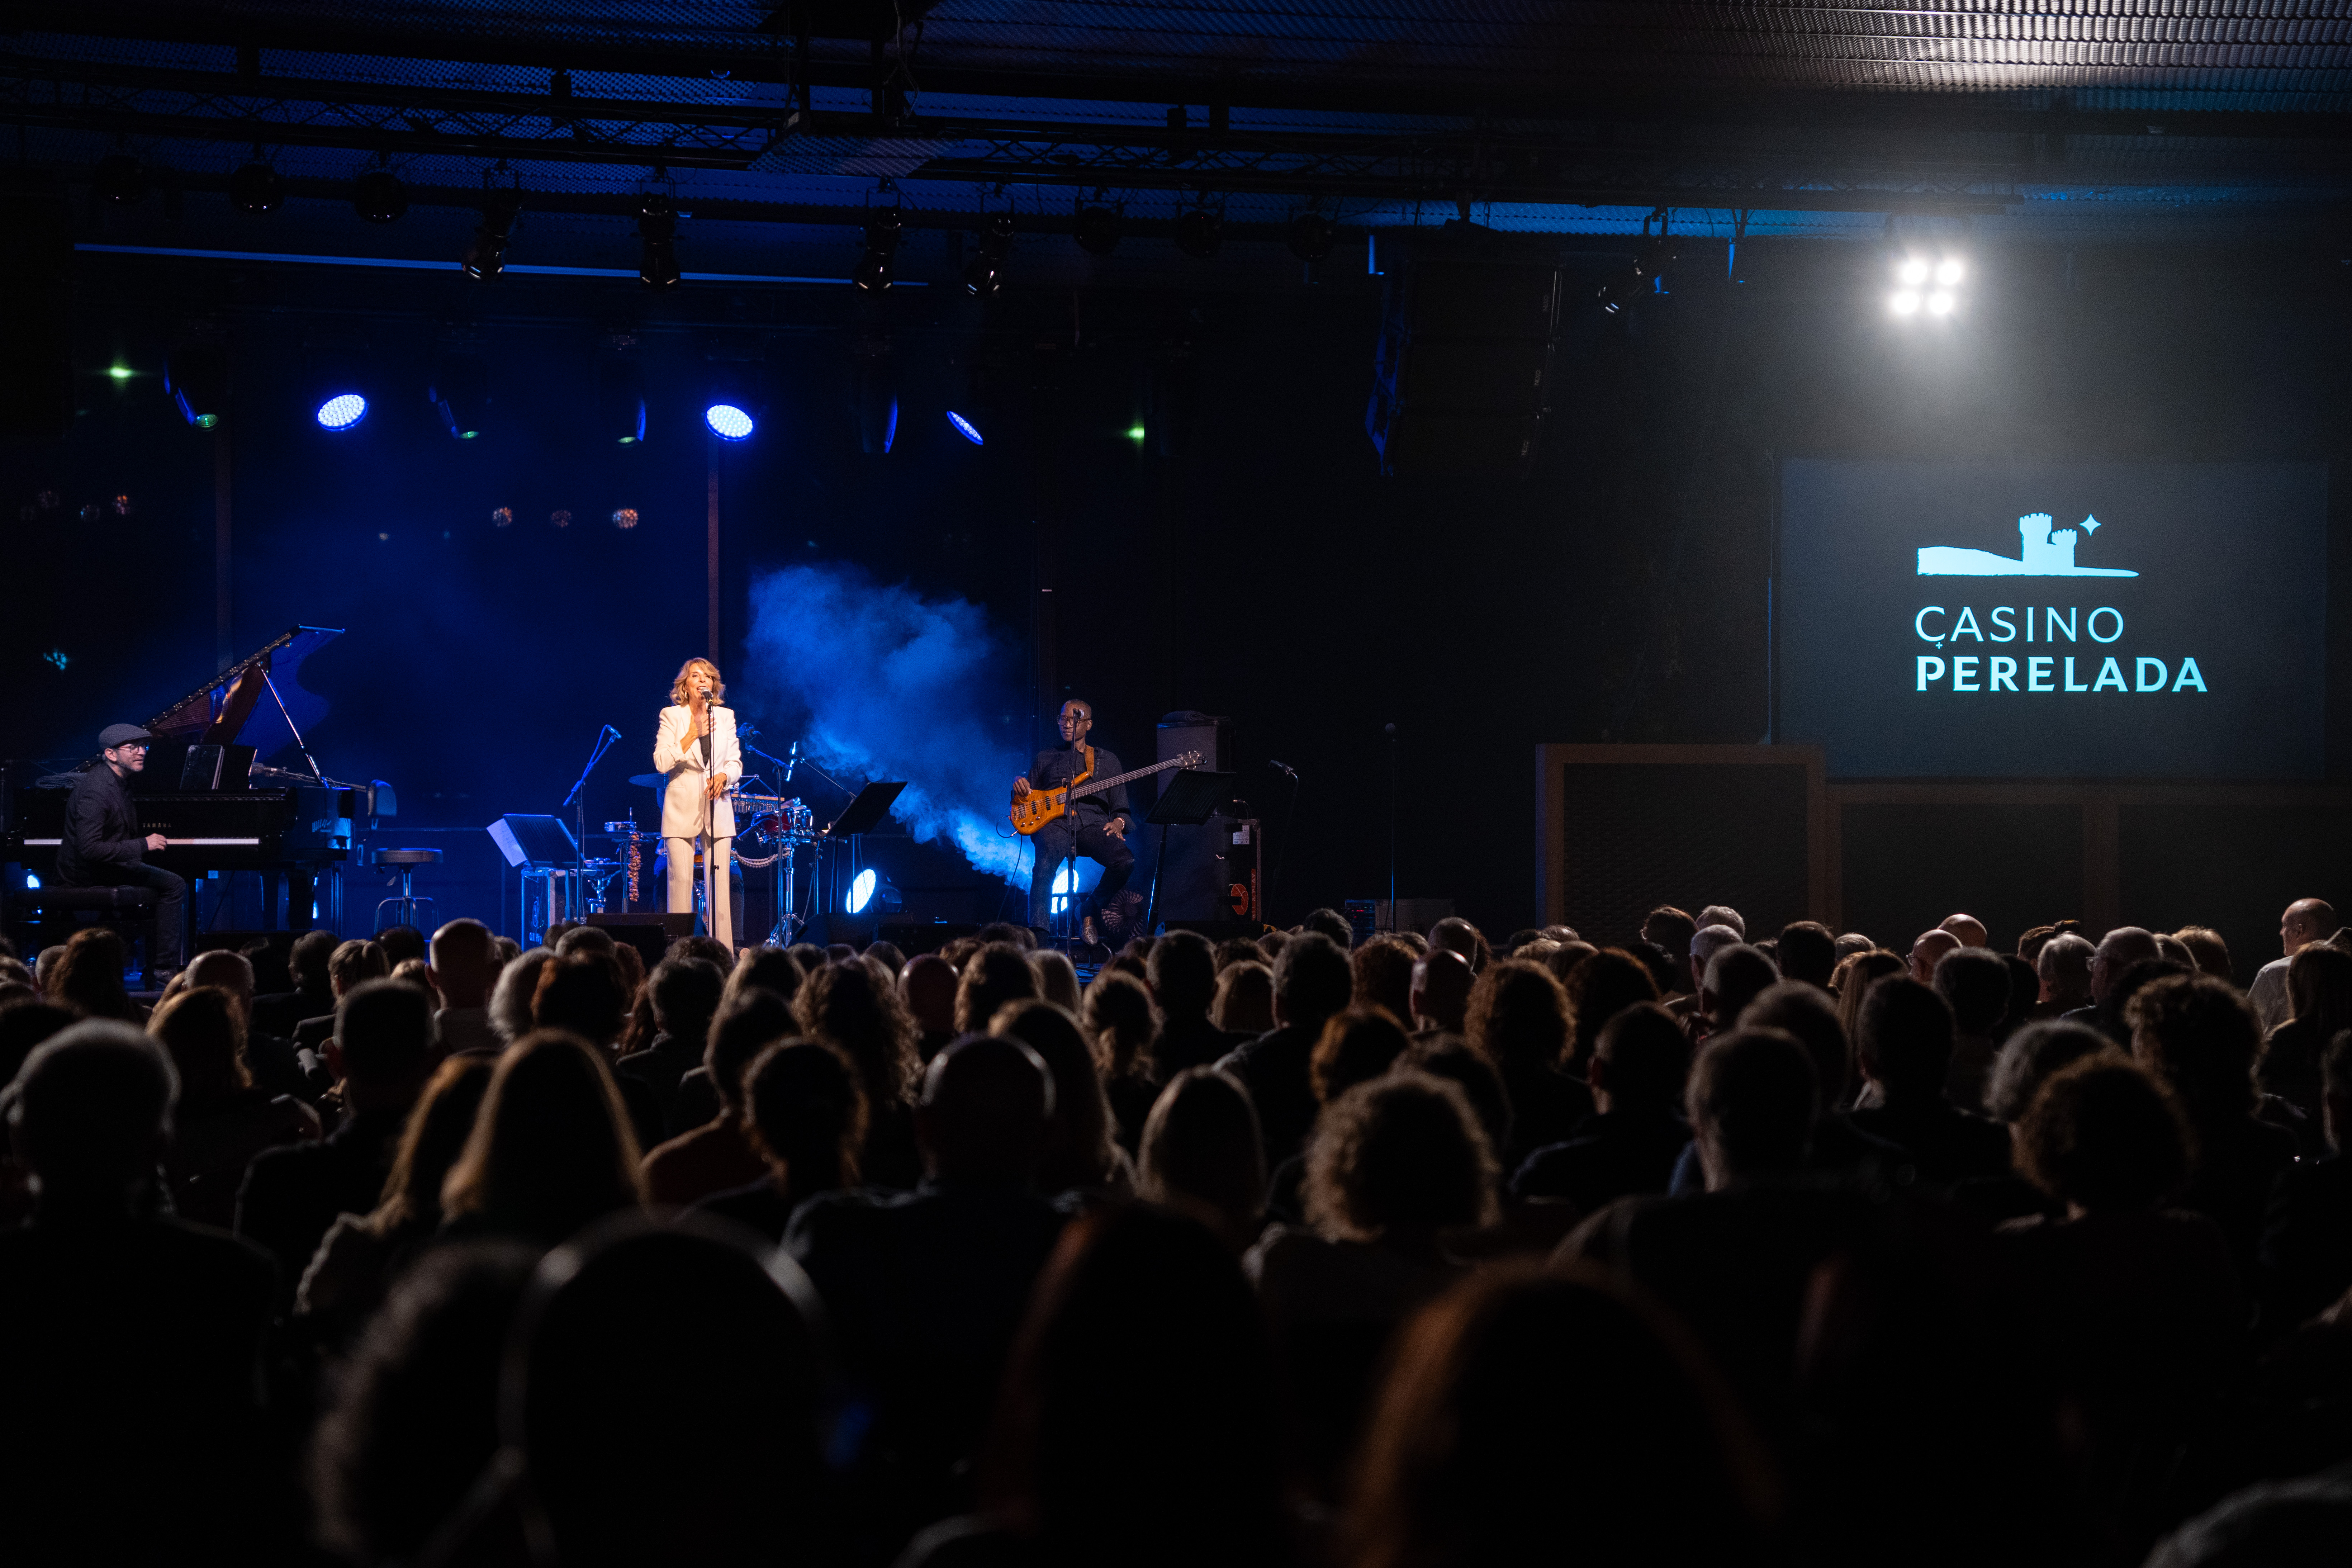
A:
(2043, 551)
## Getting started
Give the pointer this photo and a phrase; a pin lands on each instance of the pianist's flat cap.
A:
(122, 735)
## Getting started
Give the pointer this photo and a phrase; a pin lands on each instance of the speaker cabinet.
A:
(1461, 374)
(1191, 869)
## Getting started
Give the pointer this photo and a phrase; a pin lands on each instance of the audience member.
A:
(222, 1121)
(1057, 979)
(25, 1023)
(1458, 935)
(807, 1123)
(1726, 916)
(365, 1250)
(1855, 975)
(1330, 922)
(1602, 986)
(2198, 1035)
(510, 998)
(87, 978)
(1905, 1050)
(1733, 978)
(2117, 953)
(888, 955)
(1204, 1156)
(1440, 995)
(846, 1006)
(1840, 1149)
(1807, 951)
(1852, 942)
(1928, 950)
(1081, 1153)
(465, 959)
(1669, 928)
(2307, 920)
(1357, 1045)
(2065, 967)
(403, 943)
(927, 986)
(1243, 1008)
(550, 1151)
(1631, 1143)
(381, 1054)
(136, 1341)
(1185, 983)
(763, 968)
(1518, 1017)
(2209, 952)
(1452, 1059)
(313, 995)
(2320, 1007)
(999, 972)
(1119, 1022)
(269, 1059)
(1710, 941)
(351, 963)
(1968, 927)
(685, 993)
(717, 1156)
(1311, 982)
(1974, 984)
(2306, 1252)
(1384, 972)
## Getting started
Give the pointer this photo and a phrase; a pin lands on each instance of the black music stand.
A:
(1187, 799)
(872, 805)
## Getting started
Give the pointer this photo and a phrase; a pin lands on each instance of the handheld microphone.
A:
(1283, 767)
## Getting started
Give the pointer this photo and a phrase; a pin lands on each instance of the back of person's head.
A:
(711, 949)
(2105, 1133)
(512, 998)
(2319, 988)
(2064, 965)
(1736, 976)
(763, 969)
(1442, 983)
(403, 943)
(888, 955)
(1806, 1012)
(2024, 990)
(1142, 1324)
(1457, 935)
(1384, 972)
(1643, 1061)
(810, 956)
(1905, 1038)
(203, 1029)
(1807, 951)
(1709, 941)
(1245, 998)
(464, 958)
(1058, 978)
(1311, 981)
(305, 960)
(1752, 1100)
(355, 961)
(1853, 941)
(1079, 1150)
(1518, 1016)
(383, 1035)
(584, 993)
(1009, 934)
(2208, 949)
(748, 1024)
(1857, 974)
(1974, 984)
(857, 1010)
(1183, 972)
(808, 1111)
(1468, 1458)
(1236, 950)
(2200, 1037)
(436, 1137)
(685, 993)
(987, 1100)
(1357, 1045)
(25, 1023)
(1602, 986)
(999, 972)
(91, 1113)
(679, 1345)
(1452, 1059)
(224, 971)
(928, 986)
(1118, 1017)
(88, 977)
(1330, 922)
(2028, 1056)
(2172, 949)
(1723, 915)
(551, 1148)
(413, 1419)
(1203, 1153)
(1670, 927)
(1402, 1153)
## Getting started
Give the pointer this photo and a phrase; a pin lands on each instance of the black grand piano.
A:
(219, 812)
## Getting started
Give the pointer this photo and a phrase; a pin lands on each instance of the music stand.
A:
(872, 805)
(1187, 799)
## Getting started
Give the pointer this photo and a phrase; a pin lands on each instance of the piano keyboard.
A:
(170, 843)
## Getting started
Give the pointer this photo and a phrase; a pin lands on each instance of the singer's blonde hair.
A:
(679, 695)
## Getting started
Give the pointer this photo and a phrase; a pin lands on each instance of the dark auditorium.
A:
(940, 783)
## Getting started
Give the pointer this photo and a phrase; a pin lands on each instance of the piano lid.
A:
(235, 705)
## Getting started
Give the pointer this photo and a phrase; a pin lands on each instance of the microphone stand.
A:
(1393, 827)
(579, 900)
(711, 829)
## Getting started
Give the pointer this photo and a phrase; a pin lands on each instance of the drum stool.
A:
(406, 862)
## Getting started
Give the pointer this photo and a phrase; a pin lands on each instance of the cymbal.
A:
(650, 781)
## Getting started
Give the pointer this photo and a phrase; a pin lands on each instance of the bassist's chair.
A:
(404, 862)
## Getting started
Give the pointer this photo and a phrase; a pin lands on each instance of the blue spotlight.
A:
(32, 881)
(861, 892)
(728, 422)
(966, 428)
(342, 411)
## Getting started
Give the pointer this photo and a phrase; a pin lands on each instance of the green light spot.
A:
(468, 435)
(206, 421)
(1135, 433)
(121, 372)
(628, 441)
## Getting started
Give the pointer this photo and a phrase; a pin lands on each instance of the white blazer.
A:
(676, 753)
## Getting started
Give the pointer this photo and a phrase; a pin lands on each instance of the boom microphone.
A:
(1284, 767)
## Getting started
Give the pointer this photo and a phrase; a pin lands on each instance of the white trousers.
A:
(680, 852)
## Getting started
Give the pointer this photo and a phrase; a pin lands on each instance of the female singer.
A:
(695, 747)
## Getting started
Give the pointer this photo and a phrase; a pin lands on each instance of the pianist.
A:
(102, 846)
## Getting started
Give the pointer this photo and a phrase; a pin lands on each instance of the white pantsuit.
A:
(685, 802)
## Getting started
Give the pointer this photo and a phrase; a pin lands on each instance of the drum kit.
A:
(769, 829)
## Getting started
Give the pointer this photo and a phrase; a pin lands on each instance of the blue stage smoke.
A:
(876, 680)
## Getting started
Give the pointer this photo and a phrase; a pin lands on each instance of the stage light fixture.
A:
(197, 378)
(876, 269)
(559, 518)
(1311, 235)
(1940, 304)
(460, 392)
(1097, 230)
(119, 372)
(728, 422)
(1199, 231)
(966, 428)
(1926, 284)
(861, 892)
(657, 232)
(985, 275)
(120, 179)
(485, 256)
(624, 517)
(378, 196)
(256, 189)
(1905, 302)
(502, 517)
(1948, 272)
(341, 412)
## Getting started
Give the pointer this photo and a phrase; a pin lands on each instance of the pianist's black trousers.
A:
(1055, 843)
(170, 893)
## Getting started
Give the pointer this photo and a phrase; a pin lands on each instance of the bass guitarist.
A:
(1095, 827)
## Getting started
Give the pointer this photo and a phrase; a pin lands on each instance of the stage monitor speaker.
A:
(647, 931)
(1461, 374)
(1190, 868)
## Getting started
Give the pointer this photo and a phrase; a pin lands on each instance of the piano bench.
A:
(115, 903)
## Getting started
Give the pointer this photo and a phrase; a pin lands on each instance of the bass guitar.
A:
(1040, 806)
